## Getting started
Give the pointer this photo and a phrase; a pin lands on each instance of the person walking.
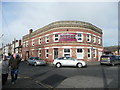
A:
(14, 64)
(5, 69)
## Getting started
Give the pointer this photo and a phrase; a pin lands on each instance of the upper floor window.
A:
(47, 39)
(94, 39)
(79, 37)
(26, 44)
(99, 41)
(56, 37)
(32, 42)
(40, 40)
(88, 37)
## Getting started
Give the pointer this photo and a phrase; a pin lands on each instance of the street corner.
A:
(83, 82)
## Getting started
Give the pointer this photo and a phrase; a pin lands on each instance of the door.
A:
(55, 53)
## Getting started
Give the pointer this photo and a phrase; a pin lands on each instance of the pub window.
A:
(67, 53)
(88, 38)
(47, 39)
(89, 53)
(79, 37)
(80, 53)
(32, 42)
(47, 53)
(56, 37)
(40, 40)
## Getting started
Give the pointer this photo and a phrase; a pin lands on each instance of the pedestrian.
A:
(5, 69)
(14, 64)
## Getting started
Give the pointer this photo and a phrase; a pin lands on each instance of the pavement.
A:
(26, 82)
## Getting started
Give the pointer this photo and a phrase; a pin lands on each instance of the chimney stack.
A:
(30, 31)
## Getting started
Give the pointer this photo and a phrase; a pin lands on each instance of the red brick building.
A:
(76, 39)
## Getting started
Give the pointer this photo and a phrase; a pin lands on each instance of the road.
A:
(93, 76)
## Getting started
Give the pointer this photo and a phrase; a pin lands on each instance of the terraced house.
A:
(76, 39)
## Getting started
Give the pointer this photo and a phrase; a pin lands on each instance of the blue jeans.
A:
(14, 74)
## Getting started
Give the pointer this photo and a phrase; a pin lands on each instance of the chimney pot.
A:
(30, 31)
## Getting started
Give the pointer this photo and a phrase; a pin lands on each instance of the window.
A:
(88, 37)
(47, 53)
(47, 39)
(79, 37)
(40, 40)
(67, 53)
(80, 54)
(56, 37)
(99, 41)
(89, 53)
(94, 39)
(32, 42)
(94, 53)
(39, 53)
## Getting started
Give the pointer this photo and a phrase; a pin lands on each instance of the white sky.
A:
(19, 17)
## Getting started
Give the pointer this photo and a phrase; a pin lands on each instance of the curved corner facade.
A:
(76, 39)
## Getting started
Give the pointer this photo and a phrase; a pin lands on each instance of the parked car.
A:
(36, 61)
(69, 61)
(110, 60)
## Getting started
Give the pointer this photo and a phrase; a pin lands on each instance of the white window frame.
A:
(94, 39)
(79, 37)
(82, 54)
(89, 53)
(56, 37)
(40, 53)
(89, 37)
(33, 43)
(94, 51)
(47, 39)
(40, 40)
(46, 53)
(99, 40)
(26, 44)
(66, 52)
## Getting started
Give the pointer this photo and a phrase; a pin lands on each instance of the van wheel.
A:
(79, 65)
(58, 65)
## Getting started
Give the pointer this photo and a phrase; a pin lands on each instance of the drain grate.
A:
(54, 80)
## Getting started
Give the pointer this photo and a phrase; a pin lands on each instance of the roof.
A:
(66, 24)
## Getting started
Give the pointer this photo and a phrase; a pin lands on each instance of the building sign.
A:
(67, 37)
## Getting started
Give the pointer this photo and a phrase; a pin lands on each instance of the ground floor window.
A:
(39, 53)
(89, 53)
(80, 54)
(47, 53)
(67, 53)
(94, 53)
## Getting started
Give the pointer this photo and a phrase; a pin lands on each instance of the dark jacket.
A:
(14, 63)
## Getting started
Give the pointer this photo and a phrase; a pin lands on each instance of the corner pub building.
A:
(75, 39)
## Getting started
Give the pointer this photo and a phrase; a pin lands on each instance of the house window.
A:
(26, 44)
(39, 53)
(79, 37)
(67, 53)
(99, 41)
(88, 37)
(94, 53)
(94, 39)
(80, 54)
(89, 53)
(40, 40)
(47, 53)
(32, 42)
(47, 39)
(56, 37)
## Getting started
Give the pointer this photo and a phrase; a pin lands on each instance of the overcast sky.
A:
(19, 17)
